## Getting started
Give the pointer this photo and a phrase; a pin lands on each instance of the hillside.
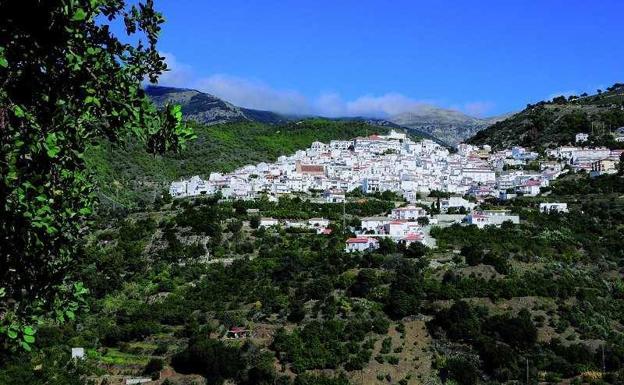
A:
(208, 109)
(171, 286)
(447, 125)
(556, 122)
(129, 175)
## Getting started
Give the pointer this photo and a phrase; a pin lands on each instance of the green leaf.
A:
(3, 61)
(29, 339)
(29, 331)
(85, 211)
(70, 314)
(51, 147)
(26, 346)
(19, 113)
(2, 292)
(12, 334)
(79, 15)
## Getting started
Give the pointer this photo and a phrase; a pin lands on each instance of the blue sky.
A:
(384, 57)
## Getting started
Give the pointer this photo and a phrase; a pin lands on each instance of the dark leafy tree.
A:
(65, 80)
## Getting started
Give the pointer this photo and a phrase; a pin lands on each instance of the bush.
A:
(154, 366)
(211, 358)
(415, 250)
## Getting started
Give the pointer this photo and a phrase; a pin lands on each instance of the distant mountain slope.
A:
(129, 175)
(558, 121)
(208, 109)
(414, 131)
(447, 125)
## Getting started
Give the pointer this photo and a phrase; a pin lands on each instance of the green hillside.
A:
(130, 176)
(556, 122)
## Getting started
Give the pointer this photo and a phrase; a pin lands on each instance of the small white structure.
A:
(409, 212)
(491, 217)
(396, 228)
(135, 381)
(553, 207)
(374, 223)
(456, 202)
(361, 244)
(78, 353)
(581, 137)
(334, 196)
(318, 222)
(478, 219)
(268, 222)
(413, 237)
(530, 187)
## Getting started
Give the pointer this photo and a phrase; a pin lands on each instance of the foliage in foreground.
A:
(66, 80)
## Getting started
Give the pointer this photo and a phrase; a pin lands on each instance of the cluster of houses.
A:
(396, 163)
(618, 136)
(596, 161)
(320, 225)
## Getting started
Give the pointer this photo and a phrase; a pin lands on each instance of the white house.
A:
(361, 244)
(408, 212)
(374, 223)
(498, 217)
(491, 217)
(456, 202)
(268, 222)
(478, 219)
(318, 222)
(413, 237)
(396, 228)
(530, 187)
(553, 207)
(334, 196)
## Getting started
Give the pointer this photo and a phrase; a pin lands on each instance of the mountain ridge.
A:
(208, 109)
(447, 127)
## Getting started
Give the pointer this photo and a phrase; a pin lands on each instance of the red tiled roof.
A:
(414, 237)
(312, 168)
(360, 240)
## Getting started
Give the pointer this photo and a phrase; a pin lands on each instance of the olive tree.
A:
(66, 79)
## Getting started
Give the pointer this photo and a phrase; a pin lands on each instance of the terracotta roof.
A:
(532, 182)
(414, 237)
(312, 168)
(360, 240)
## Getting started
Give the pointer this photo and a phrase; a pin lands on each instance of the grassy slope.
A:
(129, 175)
(548, 124)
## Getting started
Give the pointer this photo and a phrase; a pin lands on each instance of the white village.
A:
(413, 169)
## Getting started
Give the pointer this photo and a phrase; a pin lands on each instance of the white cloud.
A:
(178, 74)
(478, 109)
(259, 95)
(253, 94)
(384, 105)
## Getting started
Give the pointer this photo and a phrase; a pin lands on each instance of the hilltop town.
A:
(396, 163)
(413, 170)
